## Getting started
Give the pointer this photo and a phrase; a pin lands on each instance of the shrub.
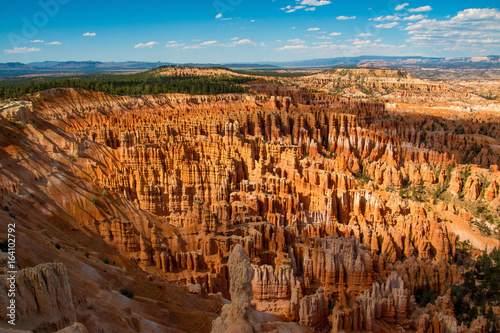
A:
(106, 261)
(127, 292)
(58, 246)
(479, 290)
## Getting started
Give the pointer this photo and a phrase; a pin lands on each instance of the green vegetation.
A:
(413, 192)
(331, 306)
(479, 292)
(490, 96)
(129, 84)
(362, 176)
(487, 220)
(471, 153)
(425, 296)
(273, 73)
(465, 173)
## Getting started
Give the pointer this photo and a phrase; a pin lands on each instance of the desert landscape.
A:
(366, 209)
(229, 166)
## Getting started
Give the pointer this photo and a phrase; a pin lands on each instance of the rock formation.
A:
(325, 202)
(237, 316)
(313, 310)
(43, 298)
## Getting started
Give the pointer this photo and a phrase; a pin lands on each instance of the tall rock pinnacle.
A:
(237, 316)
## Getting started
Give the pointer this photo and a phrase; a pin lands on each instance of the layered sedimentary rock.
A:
(43, 298)
(313, 311)
(17, 111)
(380, 80)
(389, 302)
(311, 186)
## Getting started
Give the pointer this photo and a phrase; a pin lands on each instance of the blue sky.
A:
(222, 31)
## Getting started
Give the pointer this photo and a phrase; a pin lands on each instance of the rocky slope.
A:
(403, 92)
(183, 71)
(344, 209)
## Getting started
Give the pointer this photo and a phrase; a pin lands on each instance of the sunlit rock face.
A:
(316, 197)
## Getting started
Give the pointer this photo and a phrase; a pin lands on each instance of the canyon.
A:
(308, 211)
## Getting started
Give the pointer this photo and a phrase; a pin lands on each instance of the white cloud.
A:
(401, 6)
(243, 42)
(343, 18)
(252, 21)
(322, 43)
(308, 5)
(36, 41)
(209, 43)
(189, 47)
(420, 9)
(54, 43)
(387, 25)
(335, 34)
(293, 9)
(313, 29)
(315, 2)
(361, 42)
(174, 44)
(214, 43)
(141, 45)
(478, 14)
(22, 50)
(386, 18)
(89, 34)
(292, 48)
(218, 16)
(296, 41)
(414, 17)
(356, 48)
(290, 9)
(365, 35)
(468, 30)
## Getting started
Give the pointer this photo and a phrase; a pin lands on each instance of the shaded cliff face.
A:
(332, 199)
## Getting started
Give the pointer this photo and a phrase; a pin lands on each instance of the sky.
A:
(225, 31)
